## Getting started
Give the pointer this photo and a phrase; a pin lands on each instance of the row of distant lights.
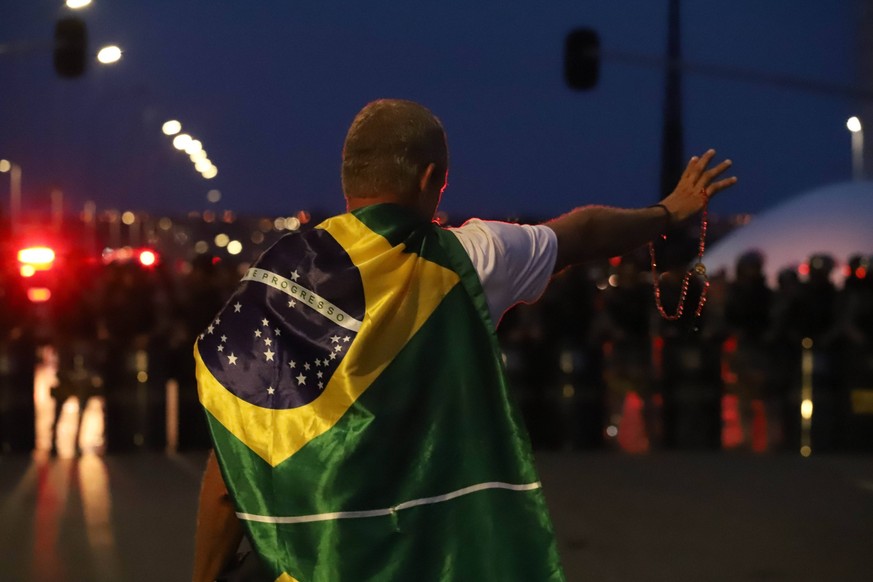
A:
(235, 247)
(192, 147)
(222, 240)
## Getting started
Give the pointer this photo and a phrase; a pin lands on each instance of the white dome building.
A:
(836, 220)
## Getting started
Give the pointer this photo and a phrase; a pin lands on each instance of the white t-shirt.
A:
(514, 262)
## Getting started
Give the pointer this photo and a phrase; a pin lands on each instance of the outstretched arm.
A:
(219, 531)
(593, 232)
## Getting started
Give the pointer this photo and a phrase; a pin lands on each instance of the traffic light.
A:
(582, 59)
(71, 46)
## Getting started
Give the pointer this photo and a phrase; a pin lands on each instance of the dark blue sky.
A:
(270, 88)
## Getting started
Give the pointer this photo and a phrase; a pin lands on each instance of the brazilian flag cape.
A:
(360, 416)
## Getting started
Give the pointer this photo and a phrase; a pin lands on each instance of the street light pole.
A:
(14, 190)
(854, 125)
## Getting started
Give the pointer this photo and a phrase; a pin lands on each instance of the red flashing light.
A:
(37, 258)
(615, 261)
(144, 256)
(147, 258)
(861, 272)
(39, 294)
(803, 269)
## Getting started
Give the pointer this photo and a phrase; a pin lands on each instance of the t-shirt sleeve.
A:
(514, 262)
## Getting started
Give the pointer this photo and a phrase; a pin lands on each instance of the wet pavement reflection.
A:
(619, 517)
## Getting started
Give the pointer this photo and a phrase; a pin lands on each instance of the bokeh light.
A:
(193, 147)
(806, 409)
(171, 127)
(148, 258)
(109, 54)
(181, 141)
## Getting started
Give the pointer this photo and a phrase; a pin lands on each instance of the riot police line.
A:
(796, 362)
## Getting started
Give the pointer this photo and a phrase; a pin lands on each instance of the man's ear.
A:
(426, 177)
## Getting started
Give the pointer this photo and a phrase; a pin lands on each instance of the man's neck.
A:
(357, 202)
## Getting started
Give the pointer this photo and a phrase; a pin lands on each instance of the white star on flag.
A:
(306, 365)
(292, 303)
(335, 339)
(220, 348)
(338, 348)
(277, 331)
(237, 306)
(265, 323)
(210, 328)
(223, 338)
(333, 355)
(301, 379)
(295, 275)
(269, 355)
(346, 339)
(292, 364)
(231, 359)
(257, 333)
(270, 390)
(268, 342)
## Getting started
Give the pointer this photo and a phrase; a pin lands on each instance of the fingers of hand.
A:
(700, 179)
(709, 175)
(698, 164)
(704, 160)
(720, 185)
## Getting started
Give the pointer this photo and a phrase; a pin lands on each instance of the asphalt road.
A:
(656, 517)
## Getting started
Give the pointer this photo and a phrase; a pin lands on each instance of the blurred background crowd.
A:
(592, 364)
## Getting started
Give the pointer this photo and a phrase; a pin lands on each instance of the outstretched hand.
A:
(696, 186)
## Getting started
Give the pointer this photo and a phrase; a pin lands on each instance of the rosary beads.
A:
(699, 269)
